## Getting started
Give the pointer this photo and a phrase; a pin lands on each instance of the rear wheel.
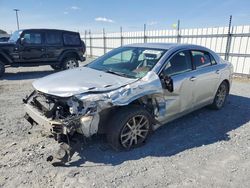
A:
(2, 69)
(129, 128)
(221, 96)
(70, 63)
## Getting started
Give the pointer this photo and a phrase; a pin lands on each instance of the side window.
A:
(71, 39)
(33, 38)
(179, 63)
(201, 59)
(122, 57)
(212, 60)
(53, 38)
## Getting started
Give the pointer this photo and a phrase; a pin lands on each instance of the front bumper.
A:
(82, 58)
(88, 125)
(65, 150)
(34, 116)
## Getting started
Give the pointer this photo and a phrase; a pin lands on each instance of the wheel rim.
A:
(221, 96)
(135, 131)
(71, 64)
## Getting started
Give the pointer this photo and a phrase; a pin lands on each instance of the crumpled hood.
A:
(79, 81)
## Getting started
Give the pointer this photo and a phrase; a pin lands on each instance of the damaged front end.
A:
(62, 117)
(80, 113)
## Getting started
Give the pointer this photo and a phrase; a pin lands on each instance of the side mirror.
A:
(167, 82)
(22, 41)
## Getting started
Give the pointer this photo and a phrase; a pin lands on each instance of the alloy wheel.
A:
(135, 131)
(70, 64)
(221, 95)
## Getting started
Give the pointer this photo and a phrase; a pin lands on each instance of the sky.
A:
(94, 15)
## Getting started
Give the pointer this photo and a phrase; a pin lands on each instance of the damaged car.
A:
(128, 93)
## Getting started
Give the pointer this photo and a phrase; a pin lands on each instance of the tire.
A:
(221, 96)
(2, 69)
(129, 128)
(69, 63)
(55, 67)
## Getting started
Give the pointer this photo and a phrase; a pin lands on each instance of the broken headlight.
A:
(75, 106)
(78, 107)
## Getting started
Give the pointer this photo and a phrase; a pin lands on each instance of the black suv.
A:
(35, 47)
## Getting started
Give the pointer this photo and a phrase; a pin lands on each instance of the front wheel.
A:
(2, 69)
(69, 63)
(220, 97)
(129, 128)
(55, 67)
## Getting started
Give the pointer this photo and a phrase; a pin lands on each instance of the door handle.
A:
(42, 49)
(217, 71)
(193, 78)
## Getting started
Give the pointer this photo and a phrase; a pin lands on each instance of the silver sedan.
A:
(129, 92)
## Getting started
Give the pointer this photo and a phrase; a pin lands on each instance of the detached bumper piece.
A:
(64, 153)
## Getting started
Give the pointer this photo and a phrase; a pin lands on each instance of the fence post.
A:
(229, 39)
(121, 36)
(178, 32)
(104, 41)
(90, 44)
(85, 38)
(144, 34)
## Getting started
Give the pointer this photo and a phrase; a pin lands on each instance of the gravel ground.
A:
(203, 149)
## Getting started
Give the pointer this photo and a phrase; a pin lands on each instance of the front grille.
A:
(51, 107)
(44, 105)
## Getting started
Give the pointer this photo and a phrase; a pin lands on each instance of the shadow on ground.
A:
(202, 127)
(33, 74)
(26, 75)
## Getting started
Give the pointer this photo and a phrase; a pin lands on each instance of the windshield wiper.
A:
(118, 73)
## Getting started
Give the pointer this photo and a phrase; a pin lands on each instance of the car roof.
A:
(175, 47)
(165, 46)
(57, 30)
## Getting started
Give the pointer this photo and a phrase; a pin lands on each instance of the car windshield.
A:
(132, 62)
(15, 36)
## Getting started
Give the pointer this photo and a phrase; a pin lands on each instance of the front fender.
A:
(148, 85)
(4, 58)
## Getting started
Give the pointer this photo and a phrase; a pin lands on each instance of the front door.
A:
(32, 48)
(179, 68)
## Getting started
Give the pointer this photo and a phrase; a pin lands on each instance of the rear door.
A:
(180, 69)
(54, 45)
(32, 48)
(206, 77)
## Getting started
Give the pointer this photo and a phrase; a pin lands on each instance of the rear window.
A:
(201, 59)
(53, 38)
(71, 39)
